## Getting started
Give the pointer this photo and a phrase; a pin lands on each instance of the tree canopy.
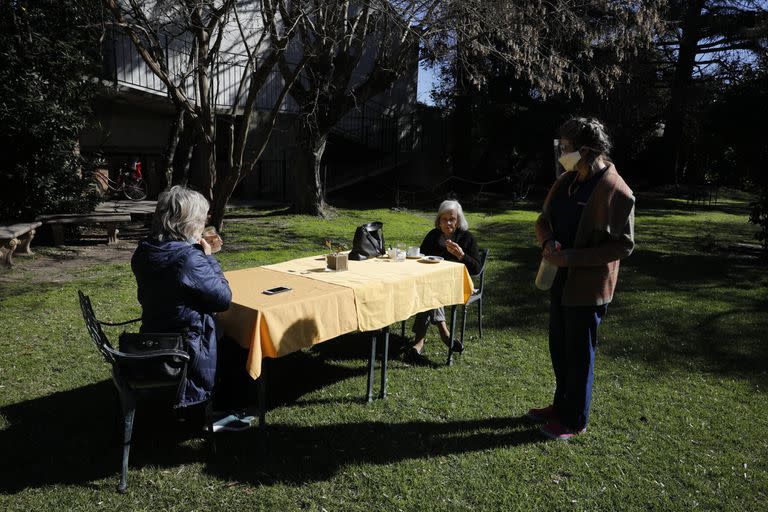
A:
(47, 49)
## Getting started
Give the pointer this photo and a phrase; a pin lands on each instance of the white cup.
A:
(413, 251)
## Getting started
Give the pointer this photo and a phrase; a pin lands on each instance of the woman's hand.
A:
(550, 246)
(559, 258)
(206, 246)
(214, 240)
(454, 249)
(552, 253)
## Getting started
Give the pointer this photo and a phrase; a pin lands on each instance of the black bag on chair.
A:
(167, 369)
(368, 241)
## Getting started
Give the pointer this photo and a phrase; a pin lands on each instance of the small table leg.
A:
(384, 358)
(371, 365)
(262, 401)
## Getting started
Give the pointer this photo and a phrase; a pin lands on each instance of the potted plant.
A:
(336, 259)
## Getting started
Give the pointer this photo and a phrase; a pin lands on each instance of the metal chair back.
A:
(94, 329)
(477, 296)
(129, 389)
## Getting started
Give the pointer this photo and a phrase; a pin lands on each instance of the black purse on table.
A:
(368, 241)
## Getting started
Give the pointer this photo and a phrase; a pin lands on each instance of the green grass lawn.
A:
(678, 418)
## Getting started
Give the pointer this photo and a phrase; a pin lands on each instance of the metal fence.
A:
(270, 180)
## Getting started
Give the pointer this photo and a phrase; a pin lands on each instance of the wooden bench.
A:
(110, 220)
(10, 241)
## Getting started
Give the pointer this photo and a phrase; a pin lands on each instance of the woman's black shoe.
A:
(457, 346)
(413, 356)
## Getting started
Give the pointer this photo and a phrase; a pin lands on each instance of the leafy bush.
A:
(46, 98)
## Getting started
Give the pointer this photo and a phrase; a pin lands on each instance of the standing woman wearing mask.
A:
(585, 228)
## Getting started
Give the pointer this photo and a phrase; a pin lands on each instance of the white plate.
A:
(415, 257)
(431, 259)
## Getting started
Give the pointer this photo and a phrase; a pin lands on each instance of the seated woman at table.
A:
(181, 285)
(450, 239)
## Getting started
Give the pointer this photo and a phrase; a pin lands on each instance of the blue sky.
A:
(427, 79)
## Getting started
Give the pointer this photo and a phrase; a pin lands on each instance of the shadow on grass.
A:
(691, 325)
(74, 437)
(306, 454)
(250, 213)
(668, 311)
(657, 207)
(681, 294)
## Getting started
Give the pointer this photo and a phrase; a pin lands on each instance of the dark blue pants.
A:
(572, 343)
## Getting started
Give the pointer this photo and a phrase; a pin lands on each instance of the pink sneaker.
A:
(559, 432)
(544, 415)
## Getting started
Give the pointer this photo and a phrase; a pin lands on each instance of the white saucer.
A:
(431, 259)
(415, 257)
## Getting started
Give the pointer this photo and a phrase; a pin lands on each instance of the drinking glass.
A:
(400, 252)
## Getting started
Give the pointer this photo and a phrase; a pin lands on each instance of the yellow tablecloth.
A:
(322, 305)
(276, 325)
(387, 291)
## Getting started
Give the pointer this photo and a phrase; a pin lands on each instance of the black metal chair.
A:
(132, 389)
(477, 296)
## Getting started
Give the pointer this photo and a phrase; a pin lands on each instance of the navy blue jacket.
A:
(179, 288)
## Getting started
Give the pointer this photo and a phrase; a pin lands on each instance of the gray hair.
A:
(180, 215)
(450, 205)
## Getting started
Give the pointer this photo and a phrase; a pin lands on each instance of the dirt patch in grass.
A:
(61, 264)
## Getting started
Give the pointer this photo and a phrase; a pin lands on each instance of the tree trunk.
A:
(308, 192)
(207, 151)
(222, 192)
(183, 157)
(675, 142)
(170, 149)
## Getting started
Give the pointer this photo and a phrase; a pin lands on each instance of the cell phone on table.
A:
(276, 290)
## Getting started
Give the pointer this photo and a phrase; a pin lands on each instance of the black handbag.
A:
(162, 369)
(368, 241)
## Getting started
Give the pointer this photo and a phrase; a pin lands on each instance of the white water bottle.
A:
(547, 272)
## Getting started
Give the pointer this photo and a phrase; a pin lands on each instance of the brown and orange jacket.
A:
(605, 235)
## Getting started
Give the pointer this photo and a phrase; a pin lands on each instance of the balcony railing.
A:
(125, 67)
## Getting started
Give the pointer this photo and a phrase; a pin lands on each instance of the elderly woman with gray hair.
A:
(180, 285)
(451, 240)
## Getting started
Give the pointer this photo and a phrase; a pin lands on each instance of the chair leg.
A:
(463, 322)
(129, 411)
(453, 333)
(210, 437)
(480, 315)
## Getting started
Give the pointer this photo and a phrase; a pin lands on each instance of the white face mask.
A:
(569, 160)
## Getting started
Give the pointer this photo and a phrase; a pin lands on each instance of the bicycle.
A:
(129, 181)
